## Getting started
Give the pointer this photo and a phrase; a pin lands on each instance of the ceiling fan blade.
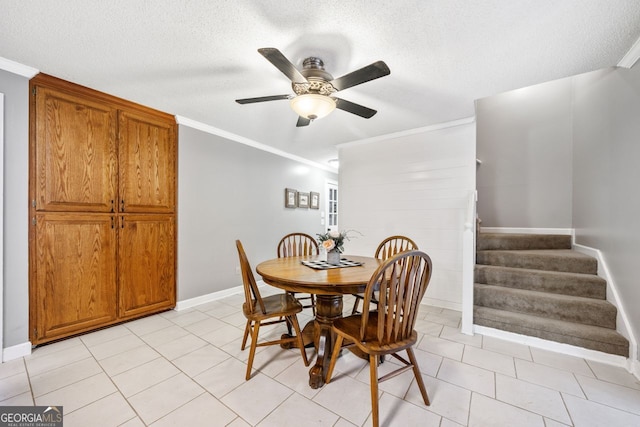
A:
(276, 57)
(354, 108)
(302, 121)
(262, 99)
(365, 74)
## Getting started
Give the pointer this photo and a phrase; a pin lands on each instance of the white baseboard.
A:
(442, 303)
(192, 302)
(634, 368)
(513, 230)
(571, 350)
(626, 329)
(16, 351)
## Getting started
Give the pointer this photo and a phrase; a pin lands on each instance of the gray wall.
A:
(230, 191)
(524, 143)
(606, 201)
(16, 209)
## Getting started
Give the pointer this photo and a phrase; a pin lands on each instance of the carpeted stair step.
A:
(557, 282)
(540, 259)
(588, 311)
(591, 337)
(504, 241)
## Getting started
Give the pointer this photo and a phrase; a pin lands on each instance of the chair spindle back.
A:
(251, 292)
(402, 280)
(297, 244)
(393, 245)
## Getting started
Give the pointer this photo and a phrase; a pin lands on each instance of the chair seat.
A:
(275, 305)
(349, 327)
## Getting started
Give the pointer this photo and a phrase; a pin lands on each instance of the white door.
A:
(332, 205)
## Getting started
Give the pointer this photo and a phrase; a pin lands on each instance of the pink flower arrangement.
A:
(333, 240)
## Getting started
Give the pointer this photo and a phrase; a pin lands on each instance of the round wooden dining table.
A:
(329, 286)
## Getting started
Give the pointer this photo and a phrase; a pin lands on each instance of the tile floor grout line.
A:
(26, 371)
(277, 406)
(564, 403)
(101, 369)
(196, 382)
(446, 333)
(119, 391)
(58, 368)
(516, 407)
(204, 391)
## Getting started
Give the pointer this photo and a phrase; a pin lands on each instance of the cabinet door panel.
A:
(75, 153)
(147, 264)
(75, 273)
(147, 157)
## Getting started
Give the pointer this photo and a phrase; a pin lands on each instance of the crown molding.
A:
(17, 68)
(631, 57)
(431, 128)
(242, 140)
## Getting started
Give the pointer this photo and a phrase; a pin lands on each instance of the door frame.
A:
(330, 184)
(1, 228)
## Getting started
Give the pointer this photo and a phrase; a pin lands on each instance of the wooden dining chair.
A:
(265, 311)
(403, 280)
(299, 244)
(387, 248)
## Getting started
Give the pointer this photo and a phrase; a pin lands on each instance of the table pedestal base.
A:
(328, 309)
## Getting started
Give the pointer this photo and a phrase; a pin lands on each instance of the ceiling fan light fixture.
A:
(313, 106)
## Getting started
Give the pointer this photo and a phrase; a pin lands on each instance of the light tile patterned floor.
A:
(186, 369)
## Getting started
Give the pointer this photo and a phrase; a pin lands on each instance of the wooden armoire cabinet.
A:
(102, 241)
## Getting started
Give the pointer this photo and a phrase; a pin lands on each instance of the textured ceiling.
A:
(193, 58)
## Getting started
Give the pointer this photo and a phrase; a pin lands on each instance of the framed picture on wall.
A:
(303, 200)
(314, 200)
(290, 198)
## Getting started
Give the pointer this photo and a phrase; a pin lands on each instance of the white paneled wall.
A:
(416, 185)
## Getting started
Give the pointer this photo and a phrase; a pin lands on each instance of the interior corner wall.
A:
(415, 185)
(16, 209)
(606, 205)
(228, 191)
(524, 142)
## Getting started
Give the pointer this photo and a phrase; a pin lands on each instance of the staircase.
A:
(536, 285)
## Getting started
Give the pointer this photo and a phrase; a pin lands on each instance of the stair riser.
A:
(619, 348)
(585, 311)
(491, 241)
(587, 286)
(584, 265)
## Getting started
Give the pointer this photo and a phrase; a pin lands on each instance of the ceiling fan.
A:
(314, 87)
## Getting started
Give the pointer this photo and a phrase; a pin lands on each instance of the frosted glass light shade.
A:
(313, 106)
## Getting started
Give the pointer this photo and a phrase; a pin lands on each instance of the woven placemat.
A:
(324, 265)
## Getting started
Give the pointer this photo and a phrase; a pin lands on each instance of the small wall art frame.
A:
(290, 198)
(314, 200)
(303, 199)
